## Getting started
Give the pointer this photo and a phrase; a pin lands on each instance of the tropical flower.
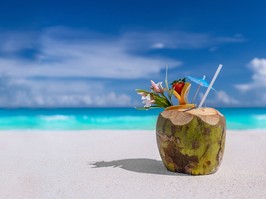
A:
(158, 88)
(160, 97)
(147, 100)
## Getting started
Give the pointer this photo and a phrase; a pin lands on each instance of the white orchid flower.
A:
(147, 101)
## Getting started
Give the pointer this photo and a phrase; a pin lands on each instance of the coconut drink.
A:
(190, 138)
(191, 141)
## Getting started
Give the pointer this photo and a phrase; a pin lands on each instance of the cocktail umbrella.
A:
(200, 82)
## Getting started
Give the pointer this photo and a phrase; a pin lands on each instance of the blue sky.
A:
(86, 53)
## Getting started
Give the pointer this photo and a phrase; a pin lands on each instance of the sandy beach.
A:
(122, 164)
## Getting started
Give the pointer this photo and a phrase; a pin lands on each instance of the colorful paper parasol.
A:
(200, 82)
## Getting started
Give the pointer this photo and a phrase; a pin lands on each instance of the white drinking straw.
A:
(210, 86)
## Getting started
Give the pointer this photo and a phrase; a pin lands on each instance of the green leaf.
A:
(141, 90)
(167, 100)
(161, 101)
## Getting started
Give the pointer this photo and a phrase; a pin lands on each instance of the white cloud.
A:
(220, 98)
(158, 46)
(81, 57)
(62, 52)
(58, 93)
(258, 67)
(255, 90)
(110, 99)
(224, 98)
(59, 53)
(177, 40)
(14, 41)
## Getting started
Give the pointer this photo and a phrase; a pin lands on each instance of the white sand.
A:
(59, 165)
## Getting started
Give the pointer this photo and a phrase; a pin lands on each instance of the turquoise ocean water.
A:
(113, 118)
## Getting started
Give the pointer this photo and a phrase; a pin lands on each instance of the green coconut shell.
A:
(191, 142)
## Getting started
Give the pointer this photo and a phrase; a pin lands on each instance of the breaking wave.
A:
(110, 118)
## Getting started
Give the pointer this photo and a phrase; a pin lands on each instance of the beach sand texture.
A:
(122, 164)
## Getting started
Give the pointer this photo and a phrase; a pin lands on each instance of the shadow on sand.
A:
(148, 166)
